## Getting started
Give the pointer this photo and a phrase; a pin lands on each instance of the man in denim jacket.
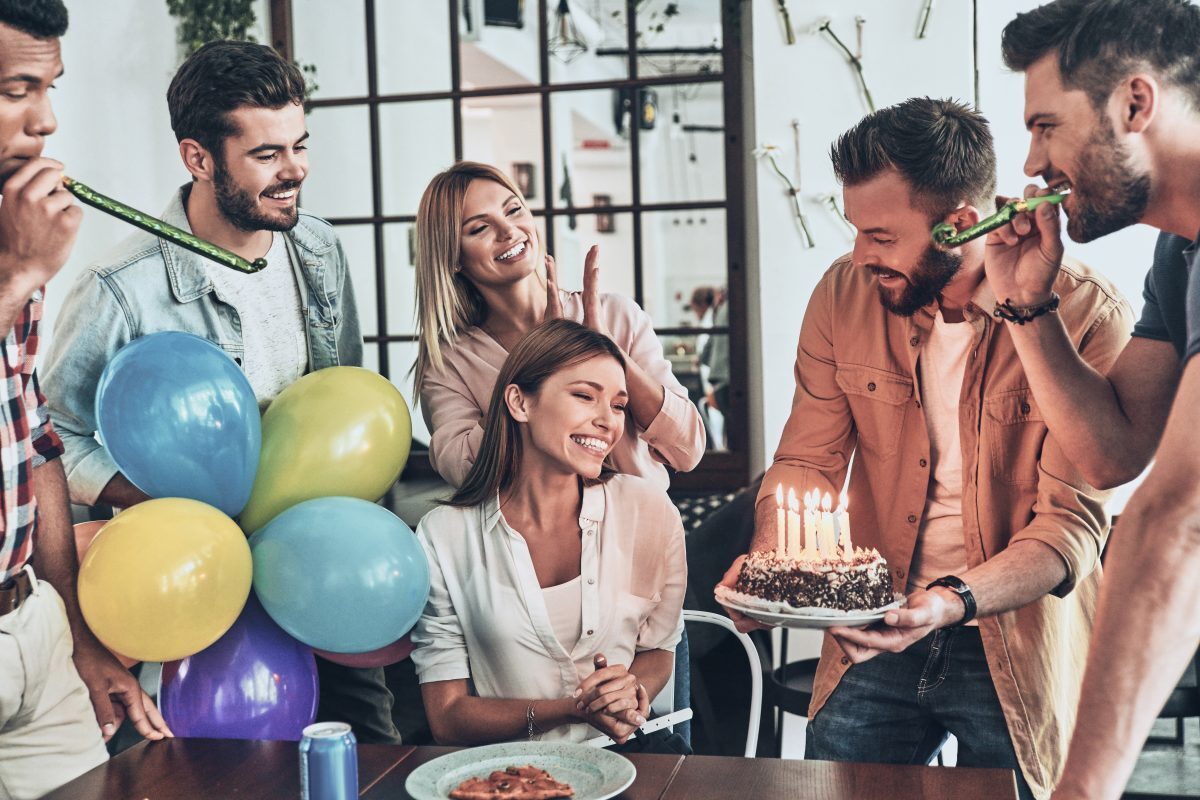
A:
(237, 111)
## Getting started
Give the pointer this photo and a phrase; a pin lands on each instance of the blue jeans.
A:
(899, 708)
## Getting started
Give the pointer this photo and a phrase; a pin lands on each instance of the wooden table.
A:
(201, 769)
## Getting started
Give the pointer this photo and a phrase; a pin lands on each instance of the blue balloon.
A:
(340, 574)
(180, 420)
(255, 682)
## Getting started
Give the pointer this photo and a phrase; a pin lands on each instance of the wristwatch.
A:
(960, 588)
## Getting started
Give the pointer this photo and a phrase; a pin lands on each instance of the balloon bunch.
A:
(170, 579)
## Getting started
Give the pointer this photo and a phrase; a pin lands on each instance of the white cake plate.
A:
(782, 614)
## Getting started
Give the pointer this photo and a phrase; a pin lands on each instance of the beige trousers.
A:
(48, 730)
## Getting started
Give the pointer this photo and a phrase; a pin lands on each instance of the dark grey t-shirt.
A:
(1172, 295)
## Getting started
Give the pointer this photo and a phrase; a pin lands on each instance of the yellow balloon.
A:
(337, 432)
(165, 579)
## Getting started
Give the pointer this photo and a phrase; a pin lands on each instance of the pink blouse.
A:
(455, 399)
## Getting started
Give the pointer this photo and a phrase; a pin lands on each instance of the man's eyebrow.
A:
(876, 230)
(270, 147)
(1037, 117)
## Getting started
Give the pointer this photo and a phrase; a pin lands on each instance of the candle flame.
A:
(808, 501)
(826, 503)
(845, 501)
(793, 502)
(779, 495)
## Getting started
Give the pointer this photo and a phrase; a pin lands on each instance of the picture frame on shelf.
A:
(605, 223)
(524, 174)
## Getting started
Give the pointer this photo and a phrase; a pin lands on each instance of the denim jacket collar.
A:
(187, 271)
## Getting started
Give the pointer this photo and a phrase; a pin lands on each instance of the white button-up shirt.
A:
(486, 618)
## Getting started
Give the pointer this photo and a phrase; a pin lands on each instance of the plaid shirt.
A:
(27, 439)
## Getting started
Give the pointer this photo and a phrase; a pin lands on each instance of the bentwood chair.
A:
(669, 716)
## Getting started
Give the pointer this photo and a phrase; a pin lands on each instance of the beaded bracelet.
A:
(1022, 314)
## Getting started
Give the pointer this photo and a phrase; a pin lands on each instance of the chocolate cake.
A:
(860, 583)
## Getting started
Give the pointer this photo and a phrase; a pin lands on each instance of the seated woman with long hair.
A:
(479, 291)
(545, 566)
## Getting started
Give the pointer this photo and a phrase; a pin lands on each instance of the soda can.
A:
(328, 762)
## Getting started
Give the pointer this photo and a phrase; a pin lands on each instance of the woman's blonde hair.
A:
(447, 303)
(545, 350)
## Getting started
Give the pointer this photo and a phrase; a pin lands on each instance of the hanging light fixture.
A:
(565, 43)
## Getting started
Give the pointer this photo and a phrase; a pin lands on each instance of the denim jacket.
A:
(148, 285)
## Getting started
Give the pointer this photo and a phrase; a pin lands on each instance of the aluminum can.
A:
(328, 762)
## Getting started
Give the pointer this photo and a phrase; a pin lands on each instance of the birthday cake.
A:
(816, 565)
(858, 581)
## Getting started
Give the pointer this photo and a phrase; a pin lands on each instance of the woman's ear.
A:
(963, 217)
(517, 402)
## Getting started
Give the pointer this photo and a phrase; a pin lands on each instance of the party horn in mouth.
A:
(945, 236)
(162, 229)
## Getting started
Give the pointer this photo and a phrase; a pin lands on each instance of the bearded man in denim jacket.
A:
(237, 111)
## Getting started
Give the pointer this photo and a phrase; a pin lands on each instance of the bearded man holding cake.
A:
(994, 537)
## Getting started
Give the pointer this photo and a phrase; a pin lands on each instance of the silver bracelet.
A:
(529, 721)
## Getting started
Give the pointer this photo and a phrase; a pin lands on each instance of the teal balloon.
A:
(340, 574)
(179, 418)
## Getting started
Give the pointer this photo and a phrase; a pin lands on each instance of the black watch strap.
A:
(959, 587)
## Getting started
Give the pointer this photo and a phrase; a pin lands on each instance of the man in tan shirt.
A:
(901, 364)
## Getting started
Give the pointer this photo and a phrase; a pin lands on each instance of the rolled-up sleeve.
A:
(819, 435)
(1069, 514)
(676, 434)
(663, 628)
(455, 422)
(440, 652)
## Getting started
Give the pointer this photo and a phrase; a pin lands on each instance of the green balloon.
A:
(337, 432)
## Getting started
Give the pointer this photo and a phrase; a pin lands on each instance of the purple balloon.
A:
(255, 682)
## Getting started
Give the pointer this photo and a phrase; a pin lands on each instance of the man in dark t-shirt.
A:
(1167, 302)
(1112, 104)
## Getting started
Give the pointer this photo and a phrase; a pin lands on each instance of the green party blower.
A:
(162, 229)
(944, 234)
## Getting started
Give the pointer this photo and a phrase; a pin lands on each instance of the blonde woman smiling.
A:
(556, 586)
(479, 291)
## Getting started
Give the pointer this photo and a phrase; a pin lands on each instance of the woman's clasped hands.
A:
(612, 700)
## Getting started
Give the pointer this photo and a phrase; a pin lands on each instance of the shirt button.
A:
(591, 581)
(845, 661)
(914, 341)
(924, 463)
(1024, 408)
(899, 573)
(589, 633)
(589, 533)
(871, 386)
(912, 517)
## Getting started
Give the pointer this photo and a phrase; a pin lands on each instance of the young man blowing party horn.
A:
(62, 694)
(237, 111)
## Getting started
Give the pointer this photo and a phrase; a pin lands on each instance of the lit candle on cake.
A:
(793, 522)
(810, 524)
(825, 526)
(843, 524)
(780, 523)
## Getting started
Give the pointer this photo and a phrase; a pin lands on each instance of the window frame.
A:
(719, 469)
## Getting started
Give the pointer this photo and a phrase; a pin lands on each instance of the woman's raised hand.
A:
(592, 316)
(553, 301)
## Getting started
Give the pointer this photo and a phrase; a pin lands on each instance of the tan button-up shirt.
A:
(858, 387)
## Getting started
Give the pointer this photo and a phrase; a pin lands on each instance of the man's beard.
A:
(241, 209)
(935, 269)
(1108, 194)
